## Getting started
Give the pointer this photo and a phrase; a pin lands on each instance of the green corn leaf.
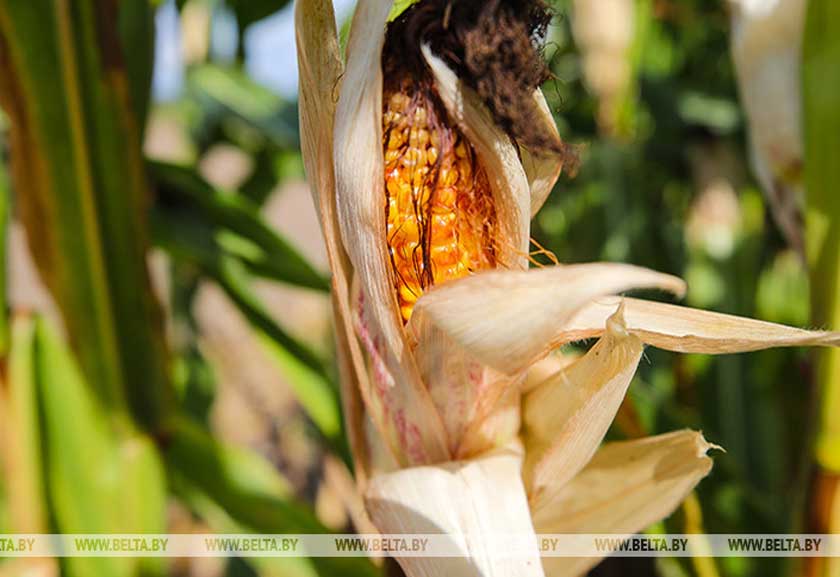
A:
(5, 198)
(399, 7)
(101, 475)
(306, 372)
(219, 521)
(246, 233)
(191, 242)
(821, 85)
(136, 22)
(26, 493)
(238, 97)
(250, 11)
(248, 490)
(81, 188)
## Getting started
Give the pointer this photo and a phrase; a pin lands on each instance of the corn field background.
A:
(166, 358)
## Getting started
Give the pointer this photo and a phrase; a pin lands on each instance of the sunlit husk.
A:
(568, 415)
(626, 487)
(687, 330)
(497, 155)
(399, 403)
(320, 68)
(484, 495)
(541, 168)
(508, 319)
(546, 368)
(497, 419)
(464, 391)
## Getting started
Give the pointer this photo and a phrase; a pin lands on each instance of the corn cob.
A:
(441, 218)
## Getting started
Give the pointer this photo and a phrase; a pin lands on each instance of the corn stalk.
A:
(821, 83)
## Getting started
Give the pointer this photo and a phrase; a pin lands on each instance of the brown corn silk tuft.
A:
(441, 218)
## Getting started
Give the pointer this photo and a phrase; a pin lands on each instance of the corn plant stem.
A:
(820, 86)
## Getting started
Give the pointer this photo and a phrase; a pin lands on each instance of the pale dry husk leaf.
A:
(567, 416)
(543, 168)
(400, 404)
(625, 488)
(320, 68)
(461, 386)
(484, 495)
(687, 330)
(546, 368)
(497, 155)
(508, 319)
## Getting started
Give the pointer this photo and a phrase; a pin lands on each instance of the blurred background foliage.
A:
(242, 431)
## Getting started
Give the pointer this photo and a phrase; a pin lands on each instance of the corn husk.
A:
(546, 368)
(320, 69)
(568, 415)
(542, 169)
(687, 330)
(767, 53)
(463, 389)
(510, 319)
(399, 404)
(626, 487)
(498, 156)
(483, 495)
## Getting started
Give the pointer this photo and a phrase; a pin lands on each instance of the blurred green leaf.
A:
(102, 477)
(192, 242)
(305, 370)
(716, 114)
(399, 7)
(218, 519)
(136, 24)
(259, 185)
(25, 484)
(5, 217)
(81, 191)
(821, 86)
(249, 490)
(255, 106)
(262, 249)
(780, 289)
(250, 11)
(196, 384)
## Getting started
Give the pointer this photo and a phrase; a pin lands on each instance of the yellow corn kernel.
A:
(441, 216)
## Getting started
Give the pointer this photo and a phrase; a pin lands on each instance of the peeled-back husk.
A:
(566, 417)
(687, 330)
(401, 406)
(625, 488)
(464, 391)
(498, 156)
(480, 496)
(542, 168)
(547, 367)
(320, 68)
(508, 319)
